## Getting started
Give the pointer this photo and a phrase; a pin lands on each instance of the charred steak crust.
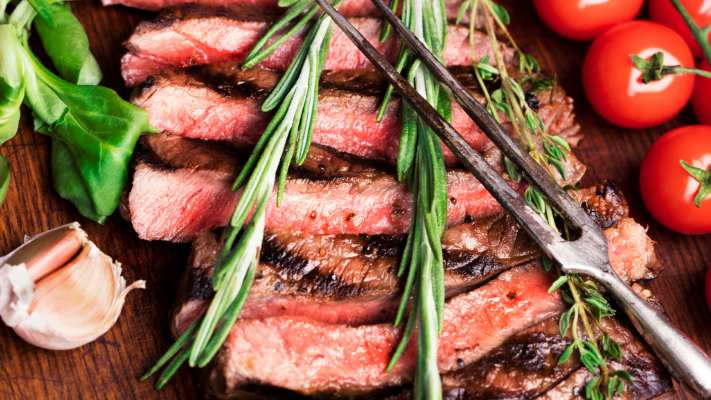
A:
(299, 273)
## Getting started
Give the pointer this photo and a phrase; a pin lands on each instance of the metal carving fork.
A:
(588, 254)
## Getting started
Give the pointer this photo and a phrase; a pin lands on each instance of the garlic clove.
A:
(58, 291)
(77, 303)
(48, 251)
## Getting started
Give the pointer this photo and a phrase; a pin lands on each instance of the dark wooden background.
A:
(109, 367)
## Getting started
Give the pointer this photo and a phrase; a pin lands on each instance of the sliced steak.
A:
(348, 279)
(526, 366)
(312, 357)
(652, 381)
(349, 8)
(207, 33)
(182, 186)
(222, 102)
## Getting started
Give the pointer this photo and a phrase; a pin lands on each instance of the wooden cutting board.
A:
(109, 367)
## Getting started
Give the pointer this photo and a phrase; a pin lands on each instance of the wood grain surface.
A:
(109, 367)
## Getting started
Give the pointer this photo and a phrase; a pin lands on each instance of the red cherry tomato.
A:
(664, 12)
(586, 19)
(668, 190)
(613, 85)
(701, 100)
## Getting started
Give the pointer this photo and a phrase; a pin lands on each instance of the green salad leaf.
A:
(12, 91)
(93, 130)
(68, 47)
(69, 183)
(4, 177)
(98, 127)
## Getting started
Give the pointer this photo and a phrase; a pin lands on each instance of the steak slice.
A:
(349, 279)
(222, 102)
(312, 357)
(526, 366)
(349, 8)
(318, 359)
(206, 33)
(182, 186)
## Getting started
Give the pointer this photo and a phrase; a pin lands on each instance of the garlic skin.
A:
(71, 304)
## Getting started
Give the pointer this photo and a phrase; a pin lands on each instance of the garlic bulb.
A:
(59, 291)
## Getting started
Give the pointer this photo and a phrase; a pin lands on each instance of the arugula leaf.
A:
(4, 177)
(69, 183)
(68, 47)
(43, 9)
(98, 127)
(12, 91)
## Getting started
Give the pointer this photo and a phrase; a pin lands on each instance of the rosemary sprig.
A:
(587, 303)
(290, 131)
(421, 165)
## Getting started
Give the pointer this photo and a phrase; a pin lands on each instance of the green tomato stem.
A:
(701, 35)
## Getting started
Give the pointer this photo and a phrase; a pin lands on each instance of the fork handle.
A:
(686, 362)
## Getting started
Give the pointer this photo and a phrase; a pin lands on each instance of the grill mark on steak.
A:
(488, 247)
(351, 360)
(475, 323)
(348, 279)
(208, 33)
(222, 102)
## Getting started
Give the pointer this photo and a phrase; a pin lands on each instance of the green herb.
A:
(93, 130)
(510, 99)
(589, 305)
(701, 35)
(704, 178)
(655, 70)
(68, 47)
(288, 135)
(421, 165)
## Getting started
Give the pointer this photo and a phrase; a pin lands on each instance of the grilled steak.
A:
(349, 8)
(182, 186)
(204, 34)
(222, 102)
(312, 357)
(350, 279)
(526, 366)
(315, 358)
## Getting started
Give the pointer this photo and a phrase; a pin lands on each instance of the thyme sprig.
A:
(421, 164)
(287, 137)
(510, 99)
(589, 305)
